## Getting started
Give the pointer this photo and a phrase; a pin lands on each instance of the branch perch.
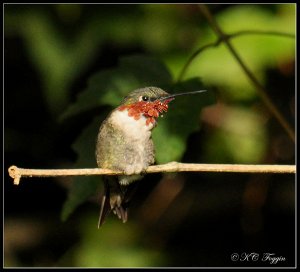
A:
(172, 167)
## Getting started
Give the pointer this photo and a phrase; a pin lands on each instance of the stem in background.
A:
(172, 167)
(228, 37)
(262, 92)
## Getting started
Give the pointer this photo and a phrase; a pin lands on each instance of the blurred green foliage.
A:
(260, 52)
(117, 246)
(67, 44)
(243, 142)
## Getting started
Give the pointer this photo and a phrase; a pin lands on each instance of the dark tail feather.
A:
(125, 193)
(113, 200)
(105, 205)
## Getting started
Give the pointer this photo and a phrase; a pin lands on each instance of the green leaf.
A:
(110, 86)
(83, 187)
(182, 118)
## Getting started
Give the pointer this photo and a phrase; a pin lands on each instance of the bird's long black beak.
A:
(172, 96)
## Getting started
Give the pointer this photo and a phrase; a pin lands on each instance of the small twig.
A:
(195, 54)
(262, 32)
(16, 173)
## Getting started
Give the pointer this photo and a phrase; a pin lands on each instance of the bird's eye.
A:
(144, 98)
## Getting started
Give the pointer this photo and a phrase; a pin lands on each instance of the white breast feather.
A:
(138, 133)
(136, 129)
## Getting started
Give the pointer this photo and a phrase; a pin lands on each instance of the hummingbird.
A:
(124, 144)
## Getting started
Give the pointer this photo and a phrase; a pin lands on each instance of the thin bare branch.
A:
(228, 37)
(172, 167)
(262, 92)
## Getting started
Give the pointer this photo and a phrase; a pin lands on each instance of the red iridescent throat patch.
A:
(150, 110)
